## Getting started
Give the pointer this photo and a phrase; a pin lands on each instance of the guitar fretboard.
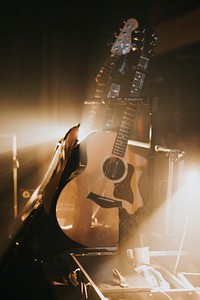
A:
(124, 131)
(123, 134)
(138, 81)
(102, 79)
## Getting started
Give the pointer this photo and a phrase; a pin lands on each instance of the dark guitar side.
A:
(84, 220)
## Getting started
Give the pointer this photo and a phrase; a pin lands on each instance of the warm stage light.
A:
(36, 123)
(83, 132)
(192, 183)
(178, 214)
(42, 132)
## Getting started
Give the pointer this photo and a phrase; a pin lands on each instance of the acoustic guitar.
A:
(105, 178)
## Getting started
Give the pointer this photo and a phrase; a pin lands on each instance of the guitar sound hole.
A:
(114, 168)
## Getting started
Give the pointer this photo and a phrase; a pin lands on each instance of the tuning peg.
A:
(136, 38)
(156, 38)
(134, 47)
(116, 47)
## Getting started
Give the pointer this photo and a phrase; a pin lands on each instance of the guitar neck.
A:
(123, 134)
(109, 116)
(140, 73)
(102, 79)
(124, 130)
(113, 93)
(104, 76)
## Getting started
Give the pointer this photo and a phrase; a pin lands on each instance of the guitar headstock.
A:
(148, 41)
(123, 43)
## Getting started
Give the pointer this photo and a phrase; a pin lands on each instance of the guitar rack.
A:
(151, 101)
(122, 100)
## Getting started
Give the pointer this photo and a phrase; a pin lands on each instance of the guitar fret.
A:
(122, 135)
(131, 106)
(143, 63)
(119, 152)
(138, 82)
(138, 76)
(128, 116)
(121, 143)
(114, 90)
(126, 124)
(120, 146)
(130, 110)
(134, 92)
(122, 139)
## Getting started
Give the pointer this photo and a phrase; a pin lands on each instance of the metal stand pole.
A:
(14, 169)
(151, 156)
(151, 162)
(169, 195)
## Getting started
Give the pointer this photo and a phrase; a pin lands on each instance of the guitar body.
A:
(87, 207)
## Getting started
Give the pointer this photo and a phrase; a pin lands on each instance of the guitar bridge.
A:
(104, 201)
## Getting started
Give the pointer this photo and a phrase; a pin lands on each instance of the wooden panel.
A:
(177, 33)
